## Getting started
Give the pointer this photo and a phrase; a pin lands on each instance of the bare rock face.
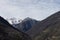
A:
(8, 32)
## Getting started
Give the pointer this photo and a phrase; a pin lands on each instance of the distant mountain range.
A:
(8, 32)
(26, 24)
(47, 29)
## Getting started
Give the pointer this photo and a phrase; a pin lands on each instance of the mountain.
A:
(26, 24)
(47, 29)
(8, 32)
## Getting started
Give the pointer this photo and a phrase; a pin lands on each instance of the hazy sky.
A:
(37, 9)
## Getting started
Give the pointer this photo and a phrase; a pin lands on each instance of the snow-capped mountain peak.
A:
(14, 20)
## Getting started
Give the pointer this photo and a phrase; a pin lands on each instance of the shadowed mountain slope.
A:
(8, 32)
(26, 24)
(48, 29)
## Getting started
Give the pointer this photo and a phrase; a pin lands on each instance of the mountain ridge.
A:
(42, 25)
(8, 32)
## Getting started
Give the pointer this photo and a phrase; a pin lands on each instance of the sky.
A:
(37, 9)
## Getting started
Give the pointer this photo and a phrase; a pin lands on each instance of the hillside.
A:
(47, 29)
(8, 32)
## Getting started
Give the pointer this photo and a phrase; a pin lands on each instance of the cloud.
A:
(37, 9)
